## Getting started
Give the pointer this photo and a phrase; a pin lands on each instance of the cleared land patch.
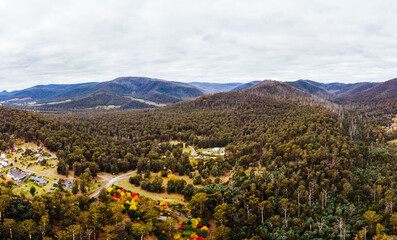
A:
(177, 198)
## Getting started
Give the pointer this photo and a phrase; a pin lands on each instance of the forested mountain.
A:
(316, 179)
(381, 92)
(61, 92)
(335, 89)
(42, 91)
(141, 92)
(119, 93)
(155, 90)
(97, 100)
(379, 101)
(277, 89)
(357, 87)
(310, 88)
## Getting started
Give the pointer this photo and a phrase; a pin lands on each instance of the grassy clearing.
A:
(146, 101)
(51, 103)
(30, 145)
(45, 170)
(177, 198)
(40, 189)
(173, 142)
(186, 149)
(94, 186)
(393, 141)
(23, 162)
(107, 107)
(139, 100)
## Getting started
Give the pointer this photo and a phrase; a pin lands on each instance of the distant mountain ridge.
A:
(150, 89)
(385, 91)
(331, 91)
(144, 92)
(379, 101)
(42, 91)
(313, 89)
(123, 92)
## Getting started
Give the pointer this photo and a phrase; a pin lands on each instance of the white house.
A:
(220, 151)
(3, 164)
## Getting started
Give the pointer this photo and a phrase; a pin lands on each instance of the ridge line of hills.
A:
(143, 92)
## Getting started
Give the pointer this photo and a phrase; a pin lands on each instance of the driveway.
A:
(112, 181)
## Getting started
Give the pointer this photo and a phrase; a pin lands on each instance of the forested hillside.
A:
(337, 89)
(277, 89)
(379, 101)
(312, 89)
(298, 171)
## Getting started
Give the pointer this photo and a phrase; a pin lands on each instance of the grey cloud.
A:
(221, 41)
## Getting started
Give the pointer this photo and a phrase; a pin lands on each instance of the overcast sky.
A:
(44, 42)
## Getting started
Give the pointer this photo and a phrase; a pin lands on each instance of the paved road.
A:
(112, 181)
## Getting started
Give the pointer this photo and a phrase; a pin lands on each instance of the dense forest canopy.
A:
(313, 173)
(210, 121)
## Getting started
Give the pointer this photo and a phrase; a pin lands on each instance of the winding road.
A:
(112, 181)
(193, 150)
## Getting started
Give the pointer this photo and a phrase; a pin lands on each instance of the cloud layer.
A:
(50, 41)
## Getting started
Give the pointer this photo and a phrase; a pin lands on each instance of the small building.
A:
(162, 218)
(216, 149)
(220, 151)
(206, 152)
(17, 175)
(3, 164)
(3, 156)
(68, 183)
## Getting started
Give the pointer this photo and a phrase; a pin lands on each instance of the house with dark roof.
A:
(17, 175)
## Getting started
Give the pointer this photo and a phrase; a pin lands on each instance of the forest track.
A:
(110, 182)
